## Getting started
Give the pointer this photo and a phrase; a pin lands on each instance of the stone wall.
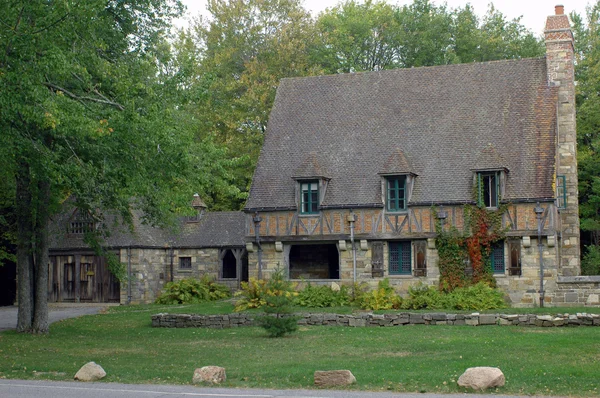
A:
(577, 291)
(151, 270)
(385, 320)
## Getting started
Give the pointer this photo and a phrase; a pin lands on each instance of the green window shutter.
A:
(561, 192)
(479, 191)
(400, 258)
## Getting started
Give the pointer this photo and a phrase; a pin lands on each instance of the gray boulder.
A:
(481, 378)
(91, 371)
(209, 374)
(332, 378)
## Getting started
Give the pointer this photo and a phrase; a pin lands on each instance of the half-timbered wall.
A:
(375, 231)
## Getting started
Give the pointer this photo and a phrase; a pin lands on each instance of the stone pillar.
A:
(560, 64)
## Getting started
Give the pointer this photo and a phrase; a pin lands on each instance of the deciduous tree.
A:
(84, 114)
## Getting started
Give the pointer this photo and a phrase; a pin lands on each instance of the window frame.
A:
(514, 247)
(420, 268)
(402, 264)
(309, 206)
(494, 194)
(496, 255)
(185, 259)
(393, 205)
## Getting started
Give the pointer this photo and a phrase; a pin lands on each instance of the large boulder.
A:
(209, 374)
(481, 378)
(91, 371)
(333, 378)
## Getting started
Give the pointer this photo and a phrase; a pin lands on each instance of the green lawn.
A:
(548, 361)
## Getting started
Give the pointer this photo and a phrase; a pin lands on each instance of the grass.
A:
(536, 361)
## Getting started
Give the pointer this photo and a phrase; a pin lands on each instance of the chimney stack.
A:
(560, 63)
(559, 10)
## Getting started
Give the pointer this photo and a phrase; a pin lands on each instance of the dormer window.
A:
(488, 189)
(396, 193)
(82, 222)
(309, 197)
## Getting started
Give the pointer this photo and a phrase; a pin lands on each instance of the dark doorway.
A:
(245, 267)
(8, 283)
(229, 266)
(314, 262)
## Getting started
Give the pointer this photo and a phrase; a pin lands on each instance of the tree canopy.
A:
(86, 114)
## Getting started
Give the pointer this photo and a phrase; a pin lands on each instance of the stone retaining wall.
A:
(369, 319)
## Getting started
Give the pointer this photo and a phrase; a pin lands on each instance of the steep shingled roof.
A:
(218, 229)
(441, 118)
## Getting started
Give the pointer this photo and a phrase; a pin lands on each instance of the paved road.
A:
(56, 312)
(56, 389)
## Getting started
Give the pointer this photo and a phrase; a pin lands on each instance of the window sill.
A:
(405, 211)
(309, 214)
(185, 270)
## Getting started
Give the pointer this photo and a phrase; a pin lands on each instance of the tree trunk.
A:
(40, 313)
(24, 240)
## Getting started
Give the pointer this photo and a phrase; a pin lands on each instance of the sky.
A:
(533, 12)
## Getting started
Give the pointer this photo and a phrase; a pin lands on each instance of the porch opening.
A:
(314, 262)
(229, 266)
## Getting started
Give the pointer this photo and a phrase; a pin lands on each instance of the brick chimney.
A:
(561, 74)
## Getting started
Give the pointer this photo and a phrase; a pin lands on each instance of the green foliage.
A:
(452, 258)
(476, 297)
(382, 298)
(252, 294)
(278, 319)
(587, 73)
(422, 297)
(590, 264)
(483, 228)
(191, 291)
(322, 296)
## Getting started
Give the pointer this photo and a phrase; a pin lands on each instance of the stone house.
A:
(209, 243)
(374, 160)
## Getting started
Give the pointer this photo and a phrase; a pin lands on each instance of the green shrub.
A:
(278, 319)
(382, 298)
(322, 296)
(422, 296)
(590, 264)
(477, 297)
(252, 294)
(191, 290)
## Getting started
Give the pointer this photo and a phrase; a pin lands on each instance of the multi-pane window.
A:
(497, 258)
(396, 193)
(420, 249)
(488, 189)
(561, 192)
(185, 263)
(400, 258)
(309, 197)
